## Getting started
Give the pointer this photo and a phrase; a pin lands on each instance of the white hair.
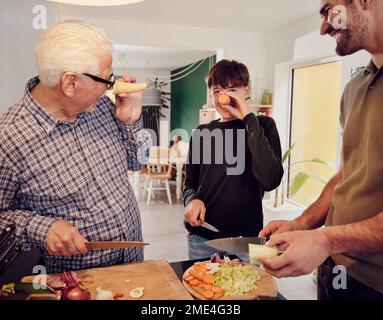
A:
(70, 46)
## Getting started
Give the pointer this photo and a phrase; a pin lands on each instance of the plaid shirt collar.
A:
(43, 117)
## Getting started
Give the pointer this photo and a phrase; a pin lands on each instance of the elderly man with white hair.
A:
(65, 152)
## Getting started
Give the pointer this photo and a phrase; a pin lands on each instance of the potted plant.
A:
(298, 180)
(154, 99)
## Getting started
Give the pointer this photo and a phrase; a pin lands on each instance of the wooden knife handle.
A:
(114, 244)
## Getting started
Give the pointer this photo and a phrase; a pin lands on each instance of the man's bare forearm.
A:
(359, 237)
(315, 215)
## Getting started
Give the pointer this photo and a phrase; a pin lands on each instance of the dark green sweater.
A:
(233, 202)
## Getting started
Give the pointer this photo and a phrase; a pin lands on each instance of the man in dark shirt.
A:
(232, 162)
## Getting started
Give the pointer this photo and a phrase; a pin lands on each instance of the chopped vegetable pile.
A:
(236, 279)
(217, 279)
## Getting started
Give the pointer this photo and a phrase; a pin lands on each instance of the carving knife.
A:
(235, 245)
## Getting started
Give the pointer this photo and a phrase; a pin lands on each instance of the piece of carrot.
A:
(217, 295)
(208, 279)
(118, 295)
(194, 282)
(217, 289)
(200, 275)
(224, 99)
(189, 278)
(208, 294)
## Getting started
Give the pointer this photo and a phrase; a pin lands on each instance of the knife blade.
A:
(235, 245)
(114, 244)
(209, 227)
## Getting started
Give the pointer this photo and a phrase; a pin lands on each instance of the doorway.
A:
(314, 126)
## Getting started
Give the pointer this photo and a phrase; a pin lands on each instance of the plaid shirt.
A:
(78, 172)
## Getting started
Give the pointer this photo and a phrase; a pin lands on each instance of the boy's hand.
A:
(195, 213)
(240, 110)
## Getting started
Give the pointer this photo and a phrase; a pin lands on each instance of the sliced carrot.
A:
(202, 285)
(208, 279)
(208, 294)
(200, 275)
(118, 295)
(208, 286)
(217, 289)
(217, 295)
(189, 278)
(194, 282)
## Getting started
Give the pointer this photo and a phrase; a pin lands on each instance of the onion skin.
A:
(70, 279)
(215, 258)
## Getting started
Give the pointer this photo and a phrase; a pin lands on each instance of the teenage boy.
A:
(231, 163)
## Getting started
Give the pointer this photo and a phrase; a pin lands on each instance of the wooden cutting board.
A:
(156, 276)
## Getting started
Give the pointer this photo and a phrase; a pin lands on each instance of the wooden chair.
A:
(158, 170)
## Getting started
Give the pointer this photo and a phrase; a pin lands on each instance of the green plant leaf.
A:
(317, 160)
(287, 153)
(298, 181)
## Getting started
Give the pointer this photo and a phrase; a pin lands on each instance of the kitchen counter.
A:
(23, 266)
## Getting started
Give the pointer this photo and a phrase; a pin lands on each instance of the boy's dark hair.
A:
(228, 74)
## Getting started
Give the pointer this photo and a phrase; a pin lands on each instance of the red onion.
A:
(70, 279)
(70, 285)
(215, 258)
(56, 283)
(75, 293)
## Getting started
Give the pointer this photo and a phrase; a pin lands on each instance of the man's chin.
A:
(346, 44)
(346, 51)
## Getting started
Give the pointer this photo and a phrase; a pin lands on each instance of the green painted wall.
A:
(188, 96)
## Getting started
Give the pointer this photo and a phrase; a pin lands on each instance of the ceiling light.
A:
(97, 3)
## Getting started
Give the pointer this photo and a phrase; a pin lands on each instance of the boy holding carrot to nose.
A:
(232, 161)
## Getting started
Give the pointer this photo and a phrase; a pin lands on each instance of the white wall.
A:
(280, 43)
(18, 38)
(307, 49)
(248, 47)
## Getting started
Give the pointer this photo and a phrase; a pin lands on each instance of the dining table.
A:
(178, 161)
